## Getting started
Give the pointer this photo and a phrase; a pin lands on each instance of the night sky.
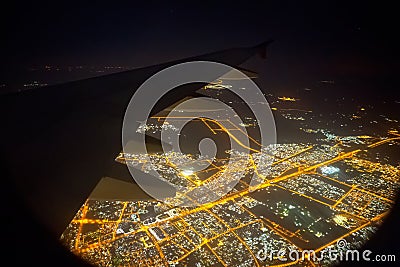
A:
(312, 41)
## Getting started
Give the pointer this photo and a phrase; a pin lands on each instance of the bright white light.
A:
(187, 172)
(329, 169)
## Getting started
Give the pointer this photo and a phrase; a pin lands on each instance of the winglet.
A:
(262, 48)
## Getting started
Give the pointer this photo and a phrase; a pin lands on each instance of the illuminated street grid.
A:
(307, 195)
(308, 198)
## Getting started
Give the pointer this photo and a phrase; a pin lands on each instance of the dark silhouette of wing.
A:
(59, 141)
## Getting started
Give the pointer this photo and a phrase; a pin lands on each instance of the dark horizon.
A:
(349, 41)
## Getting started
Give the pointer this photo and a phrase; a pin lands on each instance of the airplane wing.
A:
(59, 141)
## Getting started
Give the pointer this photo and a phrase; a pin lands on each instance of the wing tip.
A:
(261, 48)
